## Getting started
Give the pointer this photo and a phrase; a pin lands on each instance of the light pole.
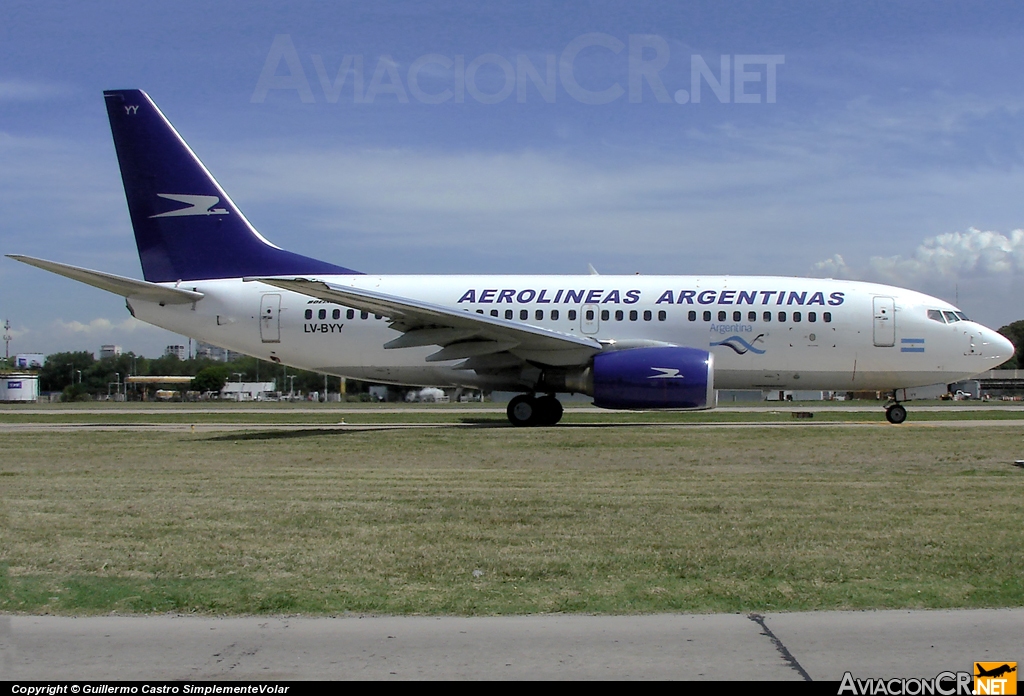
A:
(239, 376)
(291, 390)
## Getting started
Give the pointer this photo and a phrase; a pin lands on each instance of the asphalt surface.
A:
(800, 646)
(204, 427)
(277, 408)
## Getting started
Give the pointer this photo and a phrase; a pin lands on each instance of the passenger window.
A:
(378, 316)
(605, 314)
(737, 316)
(539, 315)
(309, 313)
(751, 316)
(662, 315)
(827, 316)
(590, 315)
(692, 316)
(782, 316)
(322, 314)
(721, 316)
(479, 311)
(707, 316)
(524, 314)
(619, 315)
(508, 313)
(336, 314)
(494, 312)
(572, 315)
(364, 315)
(796, 316)
(632, 315)
(350, 314)
(647, 315)
(554, 315)
(767, 316)
(812, 317)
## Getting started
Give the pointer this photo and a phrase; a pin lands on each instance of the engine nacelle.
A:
(661, 377)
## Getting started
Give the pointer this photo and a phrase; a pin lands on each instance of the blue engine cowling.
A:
(657, 377)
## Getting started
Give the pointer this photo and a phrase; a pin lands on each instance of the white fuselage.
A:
(764, 332)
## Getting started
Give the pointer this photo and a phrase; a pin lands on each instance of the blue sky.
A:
(892, 150)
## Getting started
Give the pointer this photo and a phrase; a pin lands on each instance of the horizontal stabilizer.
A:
(119, 285)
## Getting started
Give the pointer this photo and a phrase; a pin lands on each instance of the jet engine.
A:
(652, 377)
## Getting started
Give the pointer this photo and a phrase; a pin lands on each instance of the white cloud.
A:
(26, 90)
(945, 257)
(102, 326)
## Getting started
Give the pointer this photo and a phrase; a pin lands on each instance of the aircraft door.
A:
(270, 318)
(885, 322)
(590, 319)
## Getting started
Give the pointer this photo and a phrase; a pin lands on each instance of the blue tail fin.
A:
(186, 227)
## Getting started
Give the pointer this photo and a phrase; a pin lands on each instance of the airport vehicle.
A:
(630, 342)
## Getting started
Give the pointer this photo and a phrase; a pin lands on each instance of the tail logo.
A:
(197, 205)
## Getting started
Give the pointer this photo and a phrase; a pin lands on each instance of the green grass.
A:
(331, 414)
(608, 520)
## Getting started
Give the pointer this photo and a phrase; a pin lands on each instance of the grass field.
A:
(494, 520)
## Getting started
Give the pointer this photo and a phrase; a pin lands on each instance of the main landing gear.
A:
(529, 410)
(895, 413)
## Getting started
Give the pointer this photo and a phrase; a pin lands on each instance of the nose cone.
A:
(1002, 346)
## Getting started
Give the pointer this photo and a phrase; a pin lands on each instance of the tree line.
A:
(79, 375)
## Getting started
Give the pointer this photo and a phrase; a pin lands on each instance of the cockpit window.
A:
(951, 317)
(963, 317)
(936, 315)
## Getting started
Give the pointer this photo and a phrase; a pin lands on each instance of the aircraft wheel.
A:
(550, 410)
(896, 414)
(523, 411)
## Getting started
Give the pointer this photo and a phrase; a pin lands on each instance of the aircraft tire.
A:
(523, 411)
(896, 414)
(550, 410)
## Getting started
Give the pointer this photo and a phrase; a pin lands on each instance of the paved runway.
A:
(204, 427)
(799, 646)
(273, 408)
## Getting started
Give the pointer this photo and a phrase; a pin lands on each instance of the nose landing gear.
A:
(527, 410)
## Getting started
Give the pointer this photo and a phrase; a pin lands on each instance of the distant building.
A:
(247, 391)
(109, 351)
(212, 352)
(19, 387)
(179, 351)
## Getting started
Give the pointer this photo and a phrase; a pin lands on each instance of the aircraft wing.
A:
(119, 285)
(487, 342)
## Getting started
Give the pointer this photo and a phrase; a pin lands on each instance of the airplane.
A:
(995, 671)
(630, 342)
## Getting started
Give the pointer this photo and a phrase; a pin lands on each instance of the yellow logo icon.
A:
(995, 678)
